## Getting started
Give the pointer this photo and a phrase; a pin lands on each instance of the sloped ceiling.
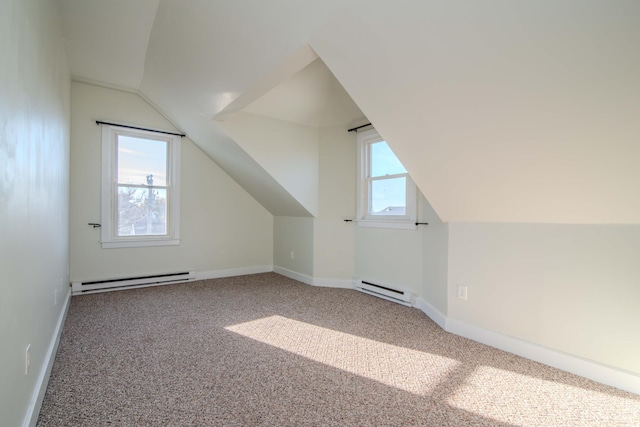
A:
(311, 97)
(107, 40)
(279, 129)
(500, 110)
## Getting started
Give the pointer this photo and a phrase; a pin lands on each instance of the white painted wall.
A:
(293, 234)
(287, 151)
(34, 181)
(333, 252)
(385, 256)
(222, 226)
(435, 252)
(573, 288)
(334, 239)
(390, 257)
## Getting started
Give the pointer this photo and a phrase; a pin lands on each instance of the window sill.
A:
(139, 243)
(394, 224)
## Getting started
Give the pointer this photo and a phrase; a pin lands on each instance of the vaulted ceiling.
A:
(500, 110)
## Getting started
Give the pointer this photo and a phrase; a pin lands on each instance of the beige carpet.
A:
(266, 350)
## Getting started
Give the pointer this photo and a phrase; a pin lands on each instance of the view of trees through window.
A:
(142, 186)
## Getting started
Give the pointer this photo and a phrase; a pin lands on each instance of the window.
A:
(386, 193)
(140, 188)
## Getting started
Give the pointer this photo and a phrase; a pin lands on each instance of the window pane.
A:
(142, 161)
(384, 161)
(142, 211)
(389, 196)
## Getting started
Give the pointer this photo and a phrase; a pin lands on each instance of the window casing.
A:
(386, 192)
(140, 188)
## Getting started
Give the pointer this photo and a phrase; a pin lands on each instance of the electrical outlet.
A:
(27, 359)
(462, 292)
(291, 254)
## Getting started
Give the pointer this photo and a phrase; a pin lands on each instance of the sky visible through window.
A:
(388, 196)
(138, 158)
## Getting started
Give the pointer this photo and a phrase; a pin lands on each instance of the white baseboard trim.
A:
(314, 281)
(293, 275)
(333, 283)
(624, 380)
(230, 272)
(431, 312)
(33, 410)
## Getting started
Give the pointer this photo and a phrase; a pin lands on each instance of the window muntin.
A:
(386, 193)
(140, 200)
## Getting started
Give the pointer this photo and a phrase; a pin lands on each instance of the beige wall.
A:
(34, 181)
(334, 239)
(336, 252)
(293, 234)
(390, 257)
(222, 227)
(287, 151)
(573, 288)
(435, 252)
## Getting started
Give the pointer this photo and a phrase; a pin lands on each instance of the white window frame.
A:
(365, 218)
(109, 237)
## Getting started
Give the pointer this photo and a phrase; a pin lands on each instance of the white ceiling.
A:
(500, 110)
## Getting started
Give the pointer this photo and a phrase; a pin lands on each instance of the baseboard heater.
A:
(79, 288)
(383, 291)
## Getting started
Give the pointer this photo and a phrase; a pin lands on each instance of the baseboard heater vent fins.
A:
(78, 288)
(387, 292)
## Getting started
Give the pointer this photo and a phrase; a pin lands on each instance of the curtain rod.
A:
(355, 220)
(359, 127)
(99, 122)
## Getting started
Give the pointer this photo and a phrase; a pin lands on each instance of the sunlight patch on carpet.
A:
(520, 399)
(405, 369)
